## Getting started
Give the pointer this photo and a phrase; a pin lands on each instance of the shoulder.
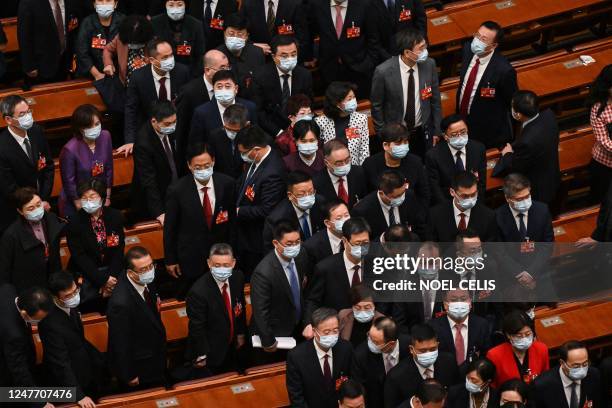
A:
(246, 102)
(223, 180)
(540, 347)
(330, 264)
(476, 145)
(345, 315)
(499, 352)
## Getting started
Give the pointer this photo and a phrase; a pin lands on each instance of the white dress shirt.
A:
(517, 221)
(334, 242)
(343, 6)
(457, 213)
(417, 96)
(484, 63)
(387, 208)
(423, 369)
(256, 164)
(454, 154)
(321, 356)
(567, 387)
(139, 288)
(285, 265)
(392, 358)
(464, 333)
(157, 77)
(220, 285)
(213, 7)
(280, 78)
(349, 269)
(20, 140)
(299, 214)
(209, 89)
(210, 192)
(528, 121)
(307, 162)
(274, 7)
(335, 180)
(64, 309)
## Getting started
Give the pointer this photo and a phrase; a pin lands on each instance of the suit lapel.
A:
(217, 296)
(276, 79)
(156, 320)
(194, 198)
(219, 193)
(19, 151)
(397, 79)
(150, 84)
(315, 365)
(282, 277)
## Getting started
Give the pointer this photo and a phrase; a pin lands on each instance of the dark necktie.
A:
(207, 208)
(427, 309)
(295, 290)
(462, 224)
(28, 146)
(207, 14)
(149, 299)
(271, 17)
(391, 6)
(469, 86)
(304, 225)
(458, 162)
(228, 308)
(392, 220)
(59, 24)
(326, 370)
(76, 319)
(163, 94)
(286, 91)
(410, 109)
(574, 396)
(169, 156)
(522, 227)
(356, 280)
(342, 194)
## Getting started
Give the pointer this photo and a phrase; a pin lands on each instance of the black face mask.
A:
(513, 405)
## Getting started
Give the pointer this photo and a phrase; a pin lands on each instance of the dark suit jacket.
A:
(459, 397)
(356, 187)
(212, 37)
(406, 14)
(190, 96)
(318, 246)
(251, 57)
(293, 162)
(603, 230)
(305, 382)
(444, 227)
(16, 170)
(489, 118)
(71, 360)
(267, 92)
(17, 355)
(369, 369)
(285, 211)
(187, 238)
(141, 93)
(136, 336)
(268, 186)
(209, 324)
(440, 165)
(407, 314)
(86, 257)
(287, 13)
(207, 118)
(536, 156)
(22, 255)
(548, 390)
(478, 341)
(38, 36)
(411, 167)
(152, 173)
(274, 311)
(403, 380)
(227, 160)
(411, 212)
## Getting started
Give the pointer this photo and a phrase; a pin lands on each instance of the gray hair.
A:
(221, 249)
(515, 182)
(7, 106)
(236, 114)
(322, 314)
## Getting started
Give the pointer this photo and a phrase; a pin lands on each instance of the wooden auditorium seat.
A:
(95, 327)
(203, 383)
(266, 368)
(175, 320)
(9, 25)
(134, 396)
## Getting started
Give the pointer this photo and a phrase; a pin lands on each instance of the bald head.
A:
(214, 60)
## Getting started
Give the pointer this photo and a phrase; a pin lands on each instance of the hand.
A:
(308, 333)
(86, 403)
(272, 348)
(109, 70)
(107, 202)
(46, 205)
(77, 204)
(507, 149)
(526, 280)
(310, 64)
(127, 148)
(161, 218)
(111, 283)
(586, 242)
(237, 210)
(201, 363)
(240, 340)
(99, 76)
(134, 382)
(265, 47)
(435, 140)
(174, 270)
(33, 73)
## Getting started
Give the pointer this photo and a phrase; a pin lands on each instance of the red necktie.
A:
(465, 100)
(59, 23)
(207, 208)
(326, 370)
(356, 280)
(462, 225)
(342, 194)
(230, 313)
(163, 94)
(339, 22)
(459, 344)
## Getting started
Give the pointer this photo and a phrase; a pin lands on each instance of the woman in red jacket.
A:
(521, 356)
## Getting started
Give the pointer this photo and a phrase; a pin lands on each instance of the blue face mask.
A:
(26, 121)
(234, 44)
(467, 203)
(471, 387)
(477, 46)
(523, 343)
(167, 64)
(396, 202)
(363, 316)
(307, 116)
(291, 251)
(342, 171)
(427, 359)
(221, 273)
(373, 347)
(73, 301)
(175, 13)
(427, 274)
(231, 134)
(328, 341)
(359, 251)
(225, 96)
(92, 133)
(92, 206)
(400, 151)
(350, 106)
(147, 277)
(287, 64)
(458, 310)
(423, 56)
(246, 158)
(339, 223)
(35, 215)
(203, 175)
(458, 142)
(308, 148)
(522, 206)
(105, 10)
(578, 373)
(306, 202)
(167, 130)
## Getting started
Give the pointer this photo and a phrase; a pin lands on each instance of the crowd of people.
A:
(251, 184)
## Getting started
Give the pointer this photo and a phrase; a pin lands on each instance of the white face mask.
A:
(105, 10)
(175, 13)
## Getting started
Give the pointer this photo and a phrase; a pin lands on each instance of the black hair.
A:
(467, 233)
(406, 39)
(252, 136)
(350, 389)
(153, 44)
(515, 182)
(515, 320)
(464, 179)
(236, 21)
(60, 281)
(388, 327)
(422, 332)
(329, 206)
(334, 94)
(430, 390)
(7, 106)
(96, 184)
(517, 386)
(526, 103)
(223, 75)
(135, 252)
(23, 195)
(297, 177)
(483, 367)
(302, 128)
(282, 40)
(82, 118)
(355, 225)
(600, 90)
(400, 233)
(359, 293)
(297, 102)
(35, 299)
(389, 180)
(161, 110)
(332, 145)
(394, 132)
(135, 29)
(499, 31)
(569, 346)
(198, 149)
(450, 120)
(283, 227)
(236, 114)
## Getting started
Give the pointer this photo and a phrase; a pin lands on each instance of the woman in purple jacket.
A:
(89, 154)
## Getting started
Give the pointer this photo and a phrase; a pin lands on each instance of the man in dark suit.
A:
(328, 241)
(155, 165)
(260, 188)
(340, 180)
(374, 358)
(573, 384)
(396, 156)
(464, 211)
(457, 153)
(313, 367)
(487, 83)
(18, 355)
(393, 203)
(394, 17)
(348, 42)
(334, 276)
(209, 116)
(200, 211)
(405, 90)
(70, 359)
(212, 14)
(222, 141)
(136, 334)
(463, 334)
(265, 22)
(25, 158)
(275, 82)
(194, 93)
(426, 362)
(217, 313)
(523, 220)
(535, 152)
(46, 32)
(302, 206)
(277, 288)
(161, 81)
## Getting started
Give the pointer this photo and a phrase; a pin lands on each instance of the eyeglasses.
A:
(71, 295)
(457, 134)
